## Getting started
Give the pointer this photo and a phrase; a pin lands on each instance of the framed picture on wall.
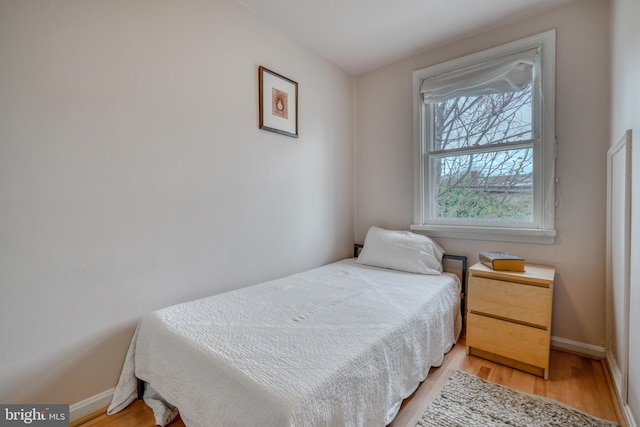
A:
(278, 103)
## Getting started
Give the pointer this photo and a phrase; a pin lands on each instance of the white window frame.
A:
(544, 170)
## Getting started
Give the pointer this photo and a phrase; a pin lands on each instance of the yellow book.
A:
(502, 261)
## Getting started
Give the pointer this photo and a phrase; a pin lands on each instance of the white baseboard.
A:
(628, 416)
(619, 384)
(578, 347)
(617, 377)
(90, 405)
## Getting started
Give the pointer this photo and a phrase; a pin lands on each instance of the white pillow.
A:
(401, 250)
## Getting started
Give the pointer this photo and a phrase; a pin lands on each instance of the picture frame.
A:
(277, 103)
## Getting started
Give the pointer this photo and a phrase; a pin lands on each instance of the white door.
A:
(618, 247)
(633, 382)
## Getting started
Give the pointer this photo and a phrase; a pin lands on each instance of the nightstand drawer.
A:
(528, 304)
(514, 341)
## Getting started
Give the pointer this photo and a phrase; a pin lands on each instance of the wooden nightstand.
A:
(509, 316)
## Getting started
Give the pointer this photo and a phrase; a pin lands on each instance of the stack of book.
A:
(502, 261)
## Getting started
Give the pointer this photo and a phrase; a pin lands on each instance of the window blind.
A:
(511, 73)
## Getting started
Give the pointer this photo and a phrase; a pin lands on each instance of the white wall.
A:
(133, 175)
(384, 147)
(625, 114)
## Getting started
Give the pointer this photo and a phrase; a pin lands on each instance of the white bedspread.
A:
(340, 345)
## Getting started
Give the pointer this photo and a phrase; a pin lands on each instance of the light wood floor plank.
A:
(574, 380)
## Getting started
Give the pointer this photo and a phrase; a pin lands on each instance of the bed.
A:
(338, 345)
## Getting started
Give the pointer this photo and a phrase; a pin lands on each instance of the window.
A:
(485, 144)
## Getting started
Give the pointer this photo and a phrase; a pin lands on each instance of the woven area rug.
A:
(469, 401)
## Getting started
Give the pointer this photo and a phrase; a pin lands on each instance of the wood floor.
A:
(577, 381)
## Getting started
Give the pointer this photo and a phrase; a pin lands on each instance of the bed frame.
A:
(356, 251)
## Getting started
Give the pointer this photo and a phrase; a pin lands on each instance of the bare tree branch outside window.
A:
(483, 168)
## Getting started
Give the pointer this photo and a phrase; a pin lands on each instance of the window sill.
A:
(521, 235)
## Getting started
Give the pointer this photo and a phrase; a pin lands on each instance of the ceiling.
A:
(361, 35)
